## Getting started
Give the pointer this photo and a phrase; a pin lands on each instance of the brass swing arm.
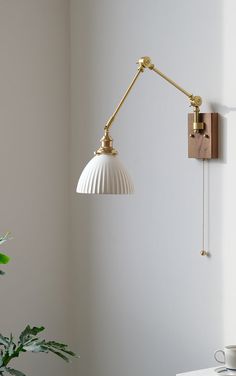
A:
(145, 62)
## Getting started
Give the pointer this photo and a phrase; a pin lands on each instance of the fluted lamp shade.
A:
(105, 174)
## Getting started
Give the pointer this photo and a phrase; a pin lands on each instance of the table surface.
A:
(200, 372)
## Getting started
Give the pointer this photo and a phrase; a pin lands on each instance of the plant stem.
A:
(7, 358)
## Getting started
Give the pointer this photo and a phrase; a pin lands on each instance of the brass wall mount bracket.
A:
(203, 143)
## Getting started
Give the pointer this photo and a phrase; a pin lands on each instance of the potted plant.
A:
(29, 339)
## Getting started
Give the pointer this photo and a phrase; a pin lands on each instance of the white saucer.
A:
(224, 371)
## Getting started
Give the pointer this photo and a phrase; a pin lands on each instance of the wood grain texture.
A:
(203, 145)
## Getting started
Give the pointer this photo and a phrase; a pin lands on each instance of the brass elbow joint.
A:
(145, 62)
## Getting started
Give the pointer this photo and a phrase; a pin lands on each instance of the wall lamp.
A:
(105, 174)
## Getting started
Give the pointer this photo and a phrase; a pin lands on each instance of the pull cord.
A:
(203, 251)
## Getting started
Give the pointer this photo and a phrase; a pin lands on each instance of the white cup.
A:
(228, 357)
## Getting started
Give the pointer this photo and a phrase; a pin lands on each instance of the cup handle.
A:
(215, 356)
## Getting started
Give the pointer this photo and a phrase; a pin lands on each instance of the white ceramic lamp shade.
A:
(105, 174)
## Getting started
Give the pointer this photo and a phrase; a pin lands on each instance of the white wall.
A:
(144, 301)
(34, 122)
(227, 169)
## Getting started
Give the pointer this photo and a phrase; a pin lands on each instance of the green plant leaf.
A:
(35, 347)
(29, 332)
(4, 259)
(11, 346)
(28, 342)
(59, 354)
(4, 341)
(5, 237)
(61, 347)
(14, 372)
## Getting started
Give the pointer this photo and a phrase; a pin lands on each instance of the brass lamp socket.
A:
(107, 145)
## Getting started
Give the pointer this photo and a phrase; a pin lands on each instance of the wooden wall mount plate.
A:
(203, 145)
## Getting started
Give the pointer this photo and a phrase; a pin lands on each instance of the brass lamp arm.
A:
(189, 95)
(145, 62)
(112, 118)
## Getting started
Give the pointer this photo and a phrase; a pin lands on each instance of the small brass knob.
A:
(203, 253)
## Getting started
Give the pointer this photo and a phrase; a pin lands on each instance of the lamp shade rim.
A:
(105, 174)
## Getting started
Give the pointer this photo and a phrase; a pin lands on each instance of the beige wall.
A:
(119, 277)
(144, 301)
(34, 131)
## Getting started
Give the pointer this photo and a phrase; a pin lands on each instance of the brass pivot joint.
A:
(195, 101)
(145, 62)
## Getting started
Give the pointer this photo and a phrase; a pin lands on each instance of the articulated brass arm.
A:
(145, 62)
(195, 101)
(111, 119)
